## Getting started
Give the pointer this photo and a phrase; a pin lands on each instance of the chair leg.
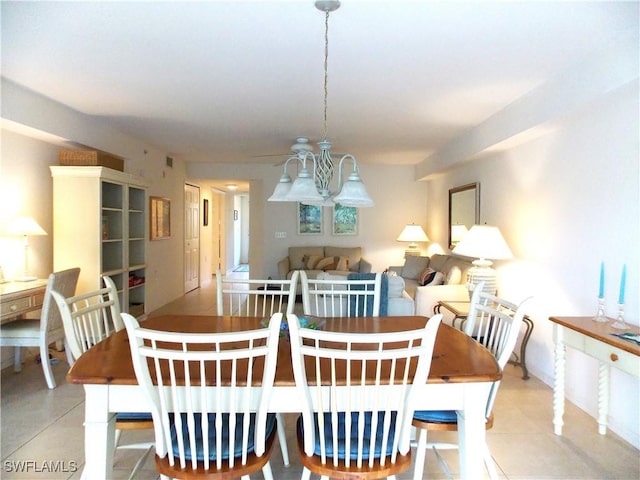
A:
(67, 351)
(140, 463)
(282, 438)
(266, 472)
(17, 359)
(421, 450)
(46, 364)
(306, 474)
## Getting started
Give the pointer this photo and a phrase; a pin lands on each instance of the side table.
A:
(597, 340)
(460, 311)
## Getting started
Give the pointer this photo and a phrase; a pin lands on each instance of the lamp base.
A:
(482, 273)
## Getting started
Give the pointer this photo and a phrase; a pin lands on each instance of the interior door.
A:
(191, 237)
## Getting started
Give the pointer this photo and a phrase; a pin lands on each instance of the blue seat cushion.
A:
(271, 425)
(328, 434)
(133, 416)
(436, 416)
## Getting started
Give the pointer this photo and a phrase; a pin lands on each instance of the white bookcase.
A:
(100, 225)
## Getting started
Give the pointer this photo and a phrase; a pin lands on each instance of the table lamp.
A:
(412, 233)
(25, 226)
(457, 232)
(485, 243)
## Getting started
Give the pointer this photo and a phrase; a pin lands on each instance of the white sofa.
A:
(453, 275)
(399, 302)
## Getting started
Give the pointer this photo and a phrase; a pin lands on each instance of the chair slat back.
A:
(341, 297)
(495, 323)
(377, 400)
(197, 375)
(90, 317)
(65, 282)
(255, 297)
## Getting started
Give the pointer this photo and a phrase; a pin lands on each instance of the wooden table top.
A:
(600, 331)
(457, 358)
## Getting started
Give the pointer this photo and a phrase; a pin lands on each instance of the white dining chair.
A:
(340, 296)
(210, 420)
(495, 323)
(44, 331)
(250, 297)
(89, 318)
(361, 429)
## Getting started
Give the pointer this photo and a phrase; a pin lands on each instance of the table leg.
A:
(523, 346)
(99, 433)
(603, 398)
(472, 430)
(558, 382)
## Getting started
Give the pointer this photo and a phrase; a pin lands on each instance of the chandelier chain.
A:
(326, 66)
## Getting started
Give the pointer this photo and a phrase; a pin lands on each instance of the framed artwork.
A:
(205, 212)
(309, 219)
(160, 218)
(345, 220)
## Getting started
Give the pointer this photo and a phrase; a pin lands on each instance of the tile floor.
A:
(43, 438)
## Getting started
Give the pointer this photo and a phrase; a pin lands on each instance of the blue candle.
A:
(601, 291)
(623, 282)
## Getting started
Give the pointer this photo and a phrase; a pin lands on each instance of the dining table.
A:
(462, 373)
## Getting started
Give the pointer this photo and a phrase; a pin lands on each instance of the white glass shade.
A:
(413, 233)
(304, 189)
(483, 242)
(282, 189)
(353, 193)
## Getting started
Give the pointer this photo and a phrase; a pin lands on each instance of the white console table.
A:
(596, 340)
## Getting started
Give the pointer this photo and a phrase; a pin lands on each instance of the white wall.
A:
(399, 200)
(566, 201)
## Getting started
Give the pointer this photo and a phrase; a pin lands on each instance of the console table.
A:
(18, 298)
(596, 340)
(460, 310)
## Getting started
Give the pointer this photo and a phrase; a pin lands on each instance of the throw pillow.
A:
(413, 266)
(426, 276)
(310, 261)
(327, 263)
(342, 264)
(396, 286)
(454, 277)
(430, 277)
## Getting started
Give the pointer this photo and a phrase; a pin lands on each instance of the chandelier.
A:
(312, 186)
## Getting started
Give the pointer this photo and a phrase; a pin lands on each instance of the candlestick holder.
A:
(600, 316)
(620, 324)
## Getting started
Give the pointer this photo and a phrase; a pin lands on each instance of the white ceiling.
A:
(227, 81)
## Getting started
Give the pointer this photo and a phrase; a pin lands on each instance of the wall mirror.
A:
(464, 210)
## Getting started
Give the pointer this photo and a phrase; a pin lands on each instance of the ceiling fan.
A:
(301, 145)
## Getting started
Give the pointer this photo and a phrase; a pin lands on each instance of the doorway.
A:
(191, 237)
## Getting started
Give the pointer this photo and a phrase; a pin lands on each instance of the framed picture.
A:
(205, 212)
(309, 219)
(345, 220)
(160, 218)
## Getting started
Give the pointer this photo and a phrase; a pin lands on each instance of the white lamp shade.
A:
(353, 193)
(484, 242)
(412, 233)
(458, 232)
(25, 226)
